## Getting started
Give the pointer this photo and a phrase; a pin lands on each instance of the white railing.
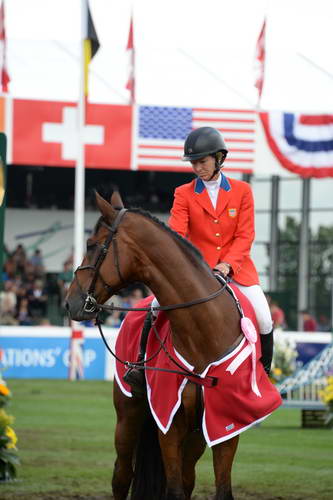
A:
(302, 389)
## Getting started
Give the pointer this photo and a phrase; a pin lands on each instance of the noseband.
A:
(90, 303)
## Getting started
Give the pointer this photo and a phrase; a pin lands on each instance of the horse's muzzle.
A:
(81, 310)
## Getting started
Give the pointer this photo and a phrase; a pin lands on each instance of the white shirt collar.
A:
(213, 184)
(213, 188)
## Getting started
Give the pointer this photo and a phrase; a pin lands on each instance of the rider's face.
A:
(204, 168)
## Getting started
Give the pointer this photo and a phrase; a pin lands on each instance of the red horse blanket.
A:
(243, 396)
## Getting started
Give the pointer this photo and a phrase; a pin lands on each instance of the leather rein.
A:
(91, 305)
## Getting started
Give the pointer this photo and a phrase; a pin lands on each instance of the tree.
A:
(288, 269)
(320, 266)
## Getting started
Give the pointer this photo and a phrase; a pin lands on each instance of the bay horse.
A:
(129, 246)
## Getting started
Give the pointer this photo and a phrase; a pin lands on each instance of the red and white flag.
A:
(131, 77)
(46, 131)
(76, 358)
(3, 63)
(260, 60)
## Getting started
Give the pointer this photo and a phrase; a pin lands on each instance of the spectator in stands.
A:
(8, 304)
(70, 259)
(277, 314)
(66, 275)
(20, 259)
(135, 295)
(36, 260)
(114, 319)
(29, 276)
(128, 298)
(309, 323)
(23, 316)
(324, 323)
(37, 300)
(63, 282)
(25, 289)
(9, 268)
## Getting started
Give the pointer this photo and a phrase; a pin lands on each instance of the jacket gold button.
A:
(216, 221)
(217, 234)
(218, 248)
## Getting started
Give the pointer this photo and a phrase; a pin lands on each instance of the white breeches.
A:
(259, 303)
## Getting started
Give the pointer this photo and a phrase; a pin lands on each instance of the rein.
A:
(207, 381)
(91, 305)
(182, 305)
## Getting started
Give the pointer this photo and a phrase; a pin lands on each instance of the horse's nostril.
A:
(66, 306)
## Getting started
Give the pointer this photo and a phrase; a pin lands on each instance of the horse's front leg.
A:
(194, 447)
(172, 454)
(223, 456)
(129, 420)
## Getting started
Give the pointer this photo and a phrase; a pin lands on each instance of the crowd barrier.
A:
(43, 352)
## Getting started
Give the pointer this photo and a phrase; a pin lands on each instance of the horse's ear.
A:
(116, 200)
(105, 208)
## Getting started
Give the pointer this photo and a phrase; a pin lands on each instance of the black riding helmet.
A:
(204, 141)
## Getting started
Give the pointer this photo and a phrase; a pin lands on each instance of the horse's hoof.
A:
(136, 379)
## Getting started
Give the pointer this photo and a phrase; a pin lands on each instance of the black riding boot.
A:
(135, 377)
(267, 351)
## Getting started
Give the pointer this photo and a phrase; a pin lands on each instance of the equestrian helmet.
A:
(204, 141)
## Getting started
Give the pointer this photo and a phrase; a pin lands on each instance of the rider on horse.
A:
(216, 214)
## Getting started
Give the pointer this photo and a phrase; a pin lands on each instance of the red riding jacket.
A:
(222, 234)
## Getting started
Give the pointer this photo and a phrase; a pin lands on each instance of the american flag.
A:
(162, 131)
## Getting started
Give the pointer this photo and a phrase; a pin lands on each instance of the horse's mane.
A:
(183, 242)
(190, 249)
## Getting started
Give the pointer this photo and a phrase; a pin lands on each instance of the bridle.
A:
(90, 303)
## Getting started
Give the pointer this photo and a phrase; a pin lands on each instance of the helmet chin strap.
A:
(216, 170)
(219, 159)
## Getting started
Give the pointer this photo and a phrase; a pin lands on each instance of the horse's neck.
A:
(175, 276)
(174, 273)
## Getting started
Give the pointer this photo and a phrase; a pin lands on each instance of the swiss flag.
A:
(45, 133)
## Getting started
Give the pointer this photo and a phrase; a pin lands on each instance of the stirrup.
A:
(136, 379)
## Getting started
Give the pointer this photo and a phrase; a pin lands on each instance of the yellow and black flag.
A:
(91, 46)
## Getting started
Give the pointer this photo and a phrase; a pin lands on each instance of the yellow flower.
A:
(10, 433)
(5, 419)
(4, 390)
(277, 371)
(326, 395)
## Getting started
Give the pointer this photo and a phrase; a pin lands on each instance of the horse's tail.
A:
(149, 476)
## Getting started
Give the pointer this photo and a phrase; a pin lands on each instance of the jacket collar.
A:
(199, 186)
(203, 196)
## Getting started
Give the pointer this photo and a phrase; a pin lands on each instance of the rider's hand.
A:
(223, 267)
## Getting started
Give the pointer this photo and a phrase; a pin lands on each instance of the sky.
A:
(188, 52)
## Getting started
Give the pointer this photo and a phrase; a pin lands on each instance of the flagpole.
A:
(132, 97)
(76, 365)
(79, 198)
